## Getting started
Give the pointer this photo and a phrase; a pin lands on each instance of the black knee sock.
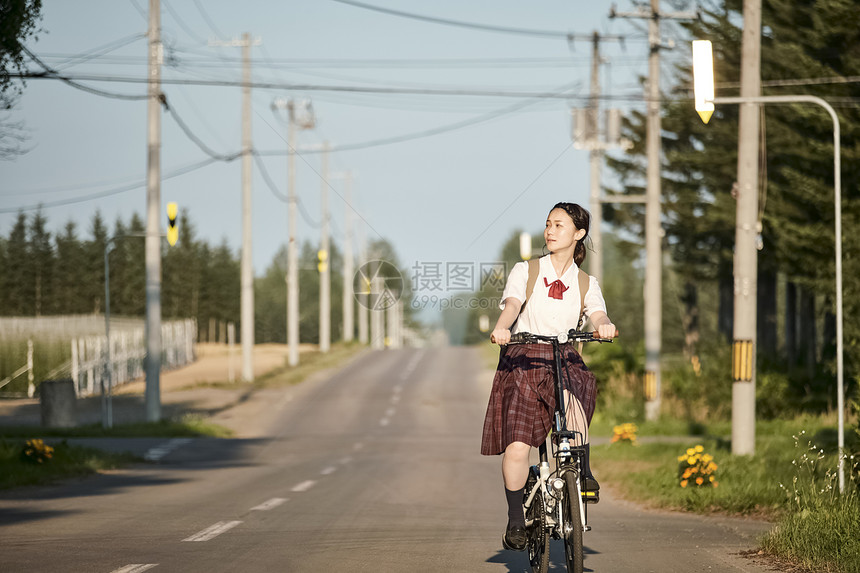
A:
(515, 507)
(586, 471)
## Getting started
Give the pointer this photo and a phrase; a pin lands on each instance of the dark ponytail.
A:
(581, 220)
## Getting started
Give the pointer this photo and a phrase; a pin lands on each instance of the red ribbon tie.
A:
(556, 288)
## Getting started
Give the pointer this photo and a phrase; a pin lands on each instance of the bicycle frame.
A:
(549, 500)
(569, 460)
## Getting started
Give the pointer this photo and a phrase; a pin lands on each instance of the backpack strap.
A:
(584, 284)
(534, 269)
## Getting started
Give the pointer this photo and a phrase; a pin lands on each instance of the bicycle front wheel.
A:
(573, 549)
(536, 529)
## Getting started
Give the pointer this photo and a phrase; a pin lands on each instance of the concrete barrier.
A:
(57, 400)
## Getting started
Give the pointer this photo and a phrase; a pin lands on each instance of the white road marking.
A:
(346, 460)
(395, 399)
(213, 531)
(328, 470)
(270, 504)
(398, 388)
(357, 446)
(158, 452)
(135, 568)
(304, 486)
(413, 364)
(384, 422)
(389, 412)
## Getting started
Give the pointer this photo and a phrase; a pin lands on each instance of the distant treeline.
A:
(44, 273)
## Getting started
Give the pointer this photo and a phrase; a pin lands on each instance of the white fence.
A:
(61, 327)
(128, 348)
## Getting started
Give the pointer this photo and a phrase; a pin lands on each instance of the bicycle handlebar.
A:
(572, 335)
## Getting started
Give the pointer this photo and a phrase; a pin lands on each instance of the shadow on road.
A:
(518, 561)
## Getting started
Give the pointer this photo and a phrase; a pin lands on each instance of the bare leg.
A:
(576, 420)
(515, 465)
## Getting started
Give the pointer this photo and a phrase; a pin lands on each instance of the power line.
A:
(182, 23)
(552, 34)
(108, 193)
(310, 87)
(140, 10)
(50, 73)
(199, 142)
(101, 50)
(437, 130)
(208, 20)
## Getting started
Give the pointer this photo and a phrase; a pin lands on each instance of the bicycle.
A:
(555, 502)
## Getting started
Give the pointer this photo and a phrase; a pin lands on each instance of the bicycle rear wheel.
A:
(573, 549)
(538, 534)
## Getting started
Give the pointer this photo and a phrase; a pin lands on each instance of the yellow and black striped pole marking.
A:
(650, 385)
(172, 229)
(742, 360)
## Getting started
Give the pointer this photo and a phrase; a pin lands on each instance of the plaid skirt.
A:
(522, 400)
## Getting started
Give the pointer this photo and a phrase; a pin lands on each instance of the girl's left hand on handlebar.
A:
(607, 330)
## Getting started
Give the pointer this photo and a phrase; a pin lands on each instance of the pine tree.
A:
(94, 251)
(17, 273)
(42, 259)
(69, 278)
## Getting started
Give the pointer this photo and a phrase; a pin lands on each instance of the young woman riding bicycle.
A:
(522, 400)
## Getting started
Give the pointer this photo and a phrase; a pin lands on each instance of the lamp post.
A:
(703, 81)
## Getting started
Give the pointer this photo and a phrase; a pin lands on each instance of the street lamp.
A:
(703, 79)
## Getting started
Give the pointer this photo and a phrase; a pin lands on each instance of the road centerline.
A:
(135, 568)
(213, 531)
(269, 504)
(304, 486)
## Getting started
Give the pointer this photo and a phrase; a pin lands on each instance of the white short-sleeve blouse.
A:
(545, 315)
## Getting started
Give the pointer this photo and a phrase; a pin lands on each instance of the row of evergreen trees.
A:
(53, 274)
(812, 41)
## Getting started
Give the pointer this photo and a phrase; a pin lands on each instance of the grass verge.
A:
(310, 363)
(187, 426)
(791, 480)
(66, 461)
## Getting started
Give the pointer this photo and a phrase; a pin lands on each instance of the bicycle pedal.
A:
(591, 496)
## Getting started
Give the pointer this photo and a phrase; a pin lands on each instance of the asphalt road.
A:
(374, 468)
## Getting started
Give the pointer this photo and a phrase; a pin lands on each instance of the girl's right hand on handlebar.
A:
(500, 336)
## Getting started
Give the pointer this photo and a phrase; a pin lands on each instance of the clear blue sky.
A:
(432, 197)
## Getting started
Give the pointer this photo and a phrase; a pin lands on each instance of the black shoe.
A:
(591, 489)
(514, 538)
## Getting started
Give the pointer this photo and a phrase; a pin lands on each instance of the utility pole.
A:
(247, 293)
(324, 256)
(747, 229)
(586, 135)
(364, 290)
(299, 115)
(348, 268)
(247, 264)
(653, 211)
(377, 317)
(152, 256)
(595, 159)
